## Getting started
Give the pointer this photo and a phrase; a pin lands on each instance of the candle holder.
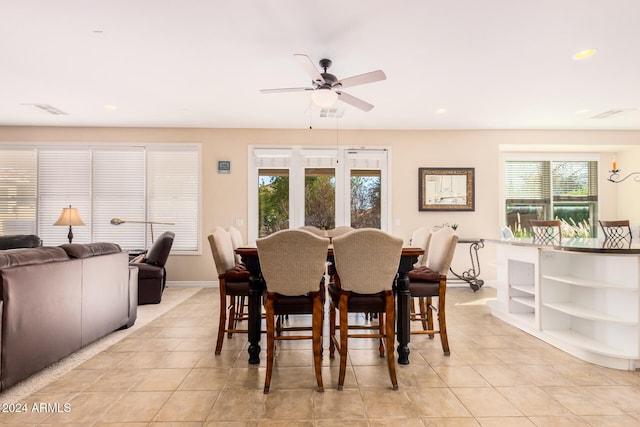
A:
(615, 176)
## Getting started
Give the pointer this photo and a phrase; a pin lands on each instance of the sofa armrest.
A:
(133, 295)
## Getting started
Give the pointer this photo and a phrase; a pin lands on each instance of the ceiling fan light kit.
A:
(324, 97)
(327, 88)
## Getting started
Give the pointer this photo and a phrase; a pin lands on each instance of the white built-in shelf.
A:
(587, 313)
(524, 318)
(576, 339)
(528, 289)
(577, 281)
(528, 301)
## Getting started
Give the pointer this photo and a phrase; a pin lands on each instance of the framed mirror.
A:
(446, 189)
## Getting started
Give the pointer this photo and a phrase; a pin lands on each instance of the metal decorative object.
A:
(615, 176)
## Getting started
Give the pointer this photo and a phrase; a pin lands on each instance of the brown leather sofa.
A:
(56, 300)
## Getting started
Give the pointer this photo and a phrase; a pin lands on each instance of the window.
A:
(136, 184)
(323, 187)
(552, 189)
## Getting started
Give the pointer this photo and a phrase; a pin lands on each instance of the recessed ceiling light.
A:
(110, 107)
(583, 54)
(584, 111)
(441, 110)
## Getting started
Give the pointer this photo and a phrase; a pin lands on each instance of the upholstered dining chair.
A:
(366, 263)
(339, 231)
(617, 234)
(430, 281)
(314, 230)
(420, 239)
(293, 288)
(546, 232)
(233, 281)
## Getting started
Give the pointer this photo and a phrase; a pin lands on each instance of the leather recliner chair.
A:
(152, 276)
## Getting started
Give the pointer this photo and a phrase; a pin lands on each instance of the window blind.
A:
(64, 178)
(527, 181)
(18, 190)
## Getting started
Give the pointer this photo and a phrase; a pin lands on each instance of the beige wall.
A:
(224, 197)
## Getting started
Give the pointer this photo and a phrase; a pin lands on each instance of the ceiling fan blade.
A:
(309, 68)
(356, 102)
(360, 79)
(286, 89)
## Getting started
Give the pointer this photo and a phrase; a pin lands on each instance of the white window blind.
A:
(132, 183)
(119, 195)
(173, 194)
(18, 190)
(527, 181)
(64, 178)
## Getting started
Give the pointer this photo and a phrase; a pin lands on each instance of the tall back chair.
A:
(339, 231)
(420, 239)
(366, 263)
(236, 241)
(314, 230)
(292, 264)
(617, 234)
(430, 280)
(546, 232)
(152, 275)
(233, 283)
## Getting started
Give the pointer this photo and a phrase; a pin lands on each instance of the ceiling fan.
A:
(327, 88)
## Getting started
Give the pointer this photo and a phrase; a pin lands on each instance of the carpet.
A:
(171, 297)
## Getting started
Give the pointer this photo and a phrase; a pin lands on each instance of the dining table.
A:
(408, 258)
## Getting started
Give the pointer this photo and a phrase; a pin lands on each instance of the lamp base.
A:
(70, 235)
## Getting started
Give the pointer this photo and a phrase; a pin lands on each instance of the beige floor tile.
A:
(500, 375)
(205, 379)
(387, 403)
(437, 402)
(486, 402)
(450, 422)
(289, 405)
(532, 401)
(182, 359)
(460, 376)
(506, 421)
(238, 405)
(84, 408)
(337, 405)
(187, 406)
(162, 379)
(611, 420)
(582, 401)
(118, 380)
(137, 406)
(563, 421)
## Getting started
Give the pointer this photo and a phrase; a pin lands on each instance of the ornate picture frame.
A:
(446, 189)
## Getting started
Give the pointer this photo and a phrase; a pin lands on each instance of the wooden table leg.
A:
(403, 312)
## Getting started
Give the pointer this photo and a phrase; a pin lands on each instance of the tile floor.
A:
(165, 374)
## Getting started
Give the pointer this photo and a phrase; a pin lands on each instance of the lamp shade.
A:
(324, 97)
(69, 216)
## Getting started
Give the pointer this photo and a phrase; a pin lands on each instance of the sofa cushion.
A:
(31, 256)
(20, 241)
(78, 250)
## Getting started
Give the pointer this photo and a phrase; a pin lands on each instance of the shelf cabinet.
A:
(585, 303)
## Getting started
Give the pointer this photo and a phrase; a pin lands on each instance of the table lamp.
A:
(69, 216)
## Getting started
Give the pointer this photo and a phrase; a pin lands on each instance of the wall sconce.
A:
(69, 216)
(615, 176)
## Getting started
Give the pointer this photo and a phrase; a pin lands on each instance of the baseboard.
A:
(192, 284)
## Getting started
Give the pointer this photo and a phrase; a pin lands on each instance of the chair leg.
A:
(344, 337)
(332, 330)
(423, 314)
(270, 343)
(442, 322)
(223, 317)
(381, 323)
(232, 316)
(390, 336)
(317, 324)
(429, 316)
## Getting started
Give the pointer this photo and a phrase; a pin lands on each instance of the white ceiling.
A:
(493, 64)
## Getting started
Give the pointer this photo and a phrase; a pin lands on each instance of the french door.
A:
(324, 187)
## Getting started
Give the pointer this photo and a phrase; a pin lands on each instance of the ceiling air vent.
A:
(610, 113)
(47, 109)
(332, 112)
